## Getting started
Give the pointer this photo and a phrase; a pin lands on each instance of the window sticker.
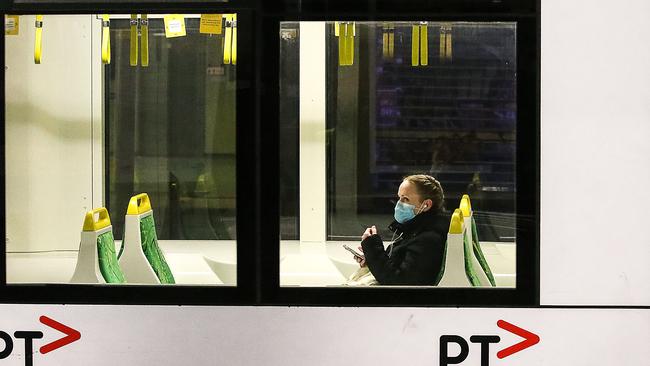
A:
(174, 25)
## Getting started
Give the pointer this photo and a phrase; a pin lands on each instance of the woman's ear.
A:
(427, 205)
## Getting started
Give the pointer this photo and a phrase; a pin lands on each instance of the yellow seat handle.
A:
(465, 205)
(139, 204)
(106, 39)
(38, 40)
(103, 219)
(456, 223)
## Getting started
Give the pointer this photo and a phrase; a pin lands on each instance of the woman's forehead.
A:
(407, 189)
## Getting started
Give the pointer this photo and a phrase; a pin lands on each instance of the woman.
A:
(420, 231)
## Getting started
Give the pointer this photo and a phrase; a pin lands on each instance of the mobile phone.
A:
(354, 252)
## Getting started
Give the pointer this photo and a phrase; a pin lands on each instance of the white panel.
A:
(98, 113)
(172, 335)
(595, 152)
(313, 187)
(48, 134)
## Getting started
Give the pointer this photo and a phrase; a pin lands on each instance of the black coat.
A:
(416, 256)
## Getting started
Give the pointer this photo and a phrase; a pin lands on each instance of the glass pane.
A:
(400, 99)
(146, 139)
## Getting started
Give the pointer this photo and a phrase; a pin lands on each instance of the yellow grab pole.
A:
(38, 40)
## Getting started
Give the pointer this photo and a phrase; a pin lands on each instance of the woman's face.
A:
(407, 193)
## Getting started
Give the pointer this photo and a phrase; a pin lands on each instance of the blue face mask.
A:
(404, 212)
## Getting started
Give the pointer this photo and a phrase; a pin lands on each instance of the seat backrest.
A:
(479, 263)
(454, 273)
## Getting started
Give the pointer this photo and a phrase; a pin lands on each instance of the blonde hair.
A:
(428, 188)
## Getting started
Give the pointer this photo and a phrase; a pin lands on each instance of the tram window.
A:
(366, 104)
(146, 139)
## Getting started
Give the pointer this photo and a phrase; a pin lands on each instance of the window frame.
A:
(257, 151)
(526, 292)
(244, 292)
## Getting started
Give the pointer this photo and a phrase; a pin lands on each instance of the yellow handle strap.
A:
(443, 43)
(144, 42)
(103, 220)
(227, 42)
(233, 52)
(424, 45)
(336, 29)
(415, 45)
(38, 40)
(343, 48)
(456, 223)
(106, 39)
(465, 205)
(391, 42)
(350, 44)
(133, 45)
(448, 53)
(139, 204)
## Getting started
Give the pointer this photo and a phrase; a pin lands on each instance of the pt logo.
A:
(71, 335)
(530, 339)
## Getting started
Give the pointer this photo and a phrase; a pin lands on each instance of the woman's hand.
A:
(361, 261)
(369, 232)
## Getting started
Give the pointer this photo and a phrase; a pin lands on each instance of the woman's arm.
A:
(412, 270)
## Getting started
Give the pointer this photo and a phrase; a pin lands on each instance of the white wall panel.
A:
(595, 152)
(48, 134)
